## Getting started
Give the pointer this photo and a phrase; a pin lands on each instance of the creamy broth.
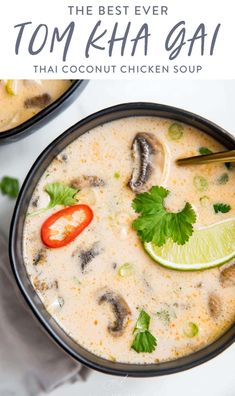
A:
(71, 279)
(22, 99)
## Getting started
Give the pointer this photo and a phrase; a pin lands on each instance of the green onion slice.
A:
(200, 183)
(175, 131)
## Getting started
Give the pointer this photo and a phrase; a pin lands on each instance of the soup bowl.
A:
(42, 117)
(16, 236)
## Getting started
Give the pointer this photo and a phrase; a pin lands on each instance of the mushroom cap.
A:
(120, 310)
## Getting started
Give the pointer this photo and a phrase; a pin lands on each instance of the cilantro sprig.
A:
(59, 194)
(9, 186)
(155, 224)
(144, 341)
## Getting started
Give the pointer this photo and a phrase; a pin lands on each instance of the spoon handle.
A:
(224, 156)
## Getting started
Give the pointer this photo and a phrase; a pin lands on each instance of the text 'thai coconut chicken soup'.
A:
(130, 253)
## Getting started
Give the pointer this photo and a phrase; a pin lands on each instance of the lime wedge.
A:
(208, 247)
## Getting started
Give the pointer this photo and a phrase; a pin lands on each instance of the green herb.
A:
(59, 194)
(156, 224)
(205, 201)
(191, 330)
(205, 151)
(125, 270)
(221, 207)
(223, 179)
(116, 175)
(228, 165)
(175, 131)
(164, 316)
(200, 183)
(144, 341)
(9, 186)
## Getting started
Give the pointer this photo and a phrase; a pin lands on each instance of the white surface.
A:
(212, 99)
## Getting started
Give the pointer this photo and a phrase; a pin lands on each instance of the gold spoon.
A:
(224, 156)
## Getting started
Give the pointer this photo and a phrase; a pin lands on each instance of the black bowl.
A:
(54, 330)
(43, 116)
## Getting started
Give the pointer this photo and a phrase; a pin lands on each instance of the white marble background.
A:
(211, 99)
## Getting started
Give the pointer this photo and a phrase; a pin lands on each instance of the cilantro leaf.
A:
(9, 186)
(205, 151)
(155, 224)
(59, 194)
(221, 207)
(144, 341)
(143, 322)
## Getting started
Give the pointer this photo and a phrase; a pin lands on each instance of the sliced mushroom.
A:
(214, 305)
(40, 101)
(227, 276)
(87, 181)
(86, 256)
(148, 155)
(120, 310)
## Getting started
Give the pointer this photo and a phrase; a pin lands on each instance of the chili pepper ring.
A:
(50, 234)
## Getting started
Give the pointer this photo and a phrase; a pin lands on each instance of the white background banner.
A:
(117, 39)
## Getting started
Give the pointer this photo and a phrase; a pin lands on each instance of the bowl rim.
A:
(47, 321)
(27, 126)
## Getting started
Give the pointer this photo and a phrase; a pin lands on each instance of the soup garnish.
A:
(204, 151)
(208, 247)
(59, 194)
(144, 341)
(221, 208)
(64, 226)
(175, 131)
(191, 330)
(156, 224)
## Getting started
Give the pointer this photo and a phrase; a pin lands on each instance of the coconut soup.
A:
(86, 256)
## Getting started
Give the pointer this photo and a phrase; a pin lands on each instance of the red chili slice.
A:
(69, 231)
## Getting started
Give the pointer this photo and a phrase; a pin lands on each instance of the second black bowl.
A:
(42, 117)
